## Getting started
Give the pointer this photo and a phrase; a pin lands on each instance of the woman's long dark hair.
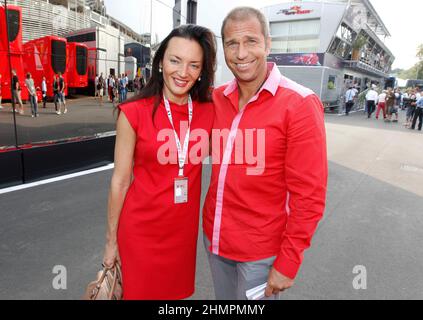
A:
(201, 91)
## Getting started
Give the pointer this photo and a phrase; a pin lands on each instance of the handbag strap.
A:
(112, 289)
(116, 269)
(99, 282)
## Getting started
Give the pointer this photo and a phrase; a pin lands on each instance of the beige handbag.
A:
(108, 285)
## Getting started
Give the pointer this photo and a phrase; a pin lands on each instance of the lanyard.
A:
(182, 153)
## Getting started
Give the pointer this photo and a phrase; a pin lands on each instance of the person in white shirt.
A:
(125, 91)
(371, 98)
(111, 87)
(381, 105)
(404, 96)
(418, 114)
(44, 91)
(95, 86)
(32, 92)
(350, 99)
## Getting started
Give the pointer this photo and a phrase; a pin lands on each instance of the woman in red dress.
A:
(154, 200)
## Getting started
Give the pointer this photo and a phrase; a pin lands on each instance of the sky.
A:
(402, 20)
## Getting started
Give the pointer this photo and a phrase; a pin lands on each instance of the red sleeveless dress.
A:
(157, 239)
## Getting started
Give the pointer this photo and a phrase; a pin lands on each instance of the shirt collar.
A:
(271, 84)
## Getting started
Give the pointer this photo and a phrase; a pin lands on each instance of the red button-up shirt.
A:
(269, 175)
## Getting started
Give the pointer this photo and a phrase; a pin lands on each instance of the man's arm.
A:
(306, 179)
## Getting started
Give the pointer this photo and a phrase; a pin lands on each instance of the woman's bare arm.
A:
(121, 180)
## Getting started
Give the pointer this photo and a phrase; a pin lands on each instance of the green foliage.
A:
(416, 71)
(359, 42)
(420, 52)
(397, 71)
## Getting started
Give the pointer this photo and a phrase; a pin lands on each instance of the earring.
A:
(160, 69)
(199, 79)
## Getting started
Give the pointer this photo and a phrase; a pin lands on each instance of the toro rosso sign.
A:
(294, 11)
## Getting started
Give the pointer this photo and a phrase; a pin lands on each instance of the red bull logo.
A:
(294, 10)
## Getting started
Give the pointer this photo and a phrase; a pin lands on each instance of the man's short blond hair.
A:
(244, 13)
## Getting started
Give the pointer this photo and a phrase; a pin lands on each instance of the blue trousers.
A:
(34, 104)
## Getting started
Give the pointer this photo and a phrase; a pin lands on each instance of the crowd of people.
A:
(116, 87)
(59, 86)
(389, 102)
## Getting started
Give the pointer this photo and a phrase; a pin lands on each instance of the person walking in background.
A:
(16, 91)
(390, 104)
(56, 98)
(118, 86)
(44, 91)
(350, 97)
(121, 88)
(404, 99)
(418, 114)
(135, 84)
(417, 92)
(95, 87)
(381, 105)
(105, 88)
(99, 88)
(123, 85)
(394, 111)
(32, 92)
(115, 89)
(410, 103)
(398, 96)
(126, 87)
(62, 88)
(371, 98)
(141, 83)
(111, 86)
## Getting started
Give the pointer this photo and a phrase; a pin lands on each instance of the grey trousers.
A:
(231, 279)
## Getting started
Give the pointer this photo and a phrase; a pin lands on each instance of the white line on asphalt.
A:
(61, 178)
(354, 111)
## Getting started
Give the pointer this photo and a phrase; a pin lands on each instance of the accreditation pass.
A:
(181, 190)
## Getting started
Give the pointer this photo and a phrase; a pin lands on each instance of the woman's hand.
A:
(111, 254)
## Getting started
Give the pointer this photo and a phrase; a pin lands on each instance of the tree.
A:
(397, 71)
(420, 52)
(416, 71)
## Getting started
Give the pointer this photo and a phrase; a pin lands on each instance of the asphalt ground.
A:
(373, 219)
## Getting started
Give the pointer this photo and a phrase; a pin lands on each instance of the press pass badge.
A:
(181, 190)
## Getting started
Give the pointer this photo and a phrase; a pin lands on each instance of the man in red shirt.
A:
(269, 176)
